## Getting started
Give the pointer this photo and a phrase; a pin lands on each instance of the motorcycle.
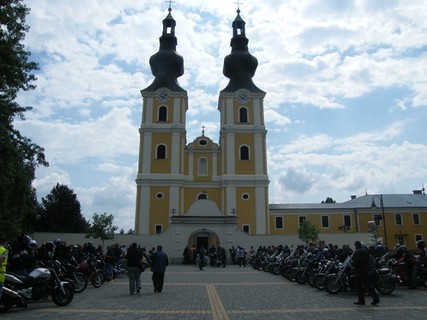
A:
(37, 286)
(89, 268)
(344, 280)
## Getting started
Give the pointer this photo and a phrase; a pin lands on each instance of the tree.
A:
(102, 227)
(308, 232)
(329, 200)
(19, 157)
(61, 212)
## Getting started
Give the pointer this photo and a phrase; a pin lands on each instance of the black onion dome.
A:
(240, 65)
(167, 65)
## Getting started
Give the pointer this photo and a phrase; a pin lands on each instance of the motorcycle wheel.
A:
(80, 282)
(310, 279)
(65, 296)
(332, 284)
(6, 303)
(301, 277)
(384, 287)
(96, 279)
(276, 269)
(319, 282)
(292, 274)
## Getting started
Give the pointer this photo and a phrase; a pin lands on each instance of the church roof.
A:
(390, 201)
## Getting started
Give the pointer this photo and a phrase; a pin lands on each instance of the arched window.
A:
(203, 167)
(163, 113)
(244, 153)
(161, 152)
(243, 115)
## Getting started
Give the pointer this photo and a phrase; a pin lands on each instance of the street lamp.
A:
(373, 205)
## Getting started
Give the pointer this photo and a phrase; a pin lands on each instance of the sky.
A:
(346, 84)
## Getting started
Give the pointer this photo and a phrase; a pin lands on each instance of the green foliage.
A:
(308, 232)
(102, 227)
(329, 200)
(60, 211)
(19, 157)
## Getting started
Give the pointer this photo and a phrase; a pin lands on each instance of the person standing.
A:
(158, 266)
(362, 263)
(133, 263)
(4, 253)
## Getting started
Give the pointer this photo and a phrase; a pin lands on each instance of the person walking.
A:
(133, 263)
(158, 266)
(4, 253)
(361, 262)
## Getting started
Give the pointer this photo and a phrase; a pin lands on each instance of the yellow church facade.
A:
(205, 193)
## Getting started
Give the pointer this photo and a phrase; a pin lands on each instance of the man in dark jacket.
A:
(158, 266)
(361, 263)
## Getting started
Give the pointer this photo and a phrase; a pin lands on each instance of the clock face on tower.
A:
(163, 96)
(243, 98)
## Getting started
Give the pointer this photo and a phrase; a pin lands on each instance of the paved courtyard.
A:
(224, 293)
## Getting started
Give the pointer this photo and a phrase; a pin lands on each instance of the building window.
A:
(301, 219)
(398, 219)
(416, 219)
(377, 219)
(203, 167)
(325, 221)
(243, 115)
(159, 195)
(246, 228)
(279, 222)
(158, 228)
(246, 196)
(400, 239)
(347, 221)
(161, 152)
(244, 153)
(418, 237)
(163, 113)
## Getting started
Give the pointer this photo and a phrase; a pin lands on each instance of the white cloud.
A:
(318, 60)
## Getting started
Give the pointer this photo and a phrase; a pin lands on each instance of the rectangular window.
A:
(301, 219)
(418, 237)
(325, 221)
(377, 219)
(279, 222)
(400, 239)
(416, 219)
(158, 228)
(398, 219)
(245, 228)
(347, 221)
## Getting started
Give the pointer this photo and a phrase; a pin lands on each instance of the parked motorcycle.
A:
(37, 286)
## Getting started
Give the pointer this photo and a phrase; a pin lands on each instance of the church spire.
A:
(167, 65)
(240, 65)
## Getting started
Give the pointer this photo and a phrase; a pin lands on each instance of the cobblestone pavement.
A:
(220, 294)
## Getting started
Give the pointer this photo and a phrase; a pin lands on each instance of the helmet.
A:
(402, 249)
(49, 245)
(25, 240)
(421, 244)
(32, 244)
(57, 242)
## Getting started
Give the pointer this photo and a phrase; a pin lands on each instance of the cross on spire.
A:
(170, 4)
(203, 130)
(238, 5)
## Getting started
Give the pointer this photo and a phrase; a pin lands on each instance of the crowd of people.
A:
(23, 255)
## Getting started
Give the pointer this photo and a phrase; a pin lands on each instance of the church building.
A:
(207, 193)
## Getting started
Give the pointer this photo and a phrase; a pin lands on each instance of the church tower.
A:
(243, 137)
(162, 137)
(205, 190)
